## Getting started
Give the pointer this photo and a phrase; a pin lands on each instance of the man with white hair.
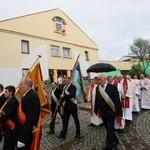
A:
(108, 102)
(126, 97)
(135, 93)
(95, 120)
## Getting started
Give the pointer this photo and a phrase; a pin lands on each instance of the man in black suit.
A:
(108, 102)
(2, 97)
(2, 101)
(27, 117)
(70, 108)
(55, 97)
(8, 116)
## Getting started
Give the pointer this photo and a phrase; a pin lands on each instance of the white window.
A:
(60, 24)
(66, 53)
(24, 46)
(24, 71)
(55, 51)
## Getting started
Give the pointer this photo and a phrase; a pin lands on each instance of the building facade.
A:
(51, 34)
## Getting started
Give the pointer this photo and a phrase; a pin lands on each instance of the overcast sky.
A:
(111, 24)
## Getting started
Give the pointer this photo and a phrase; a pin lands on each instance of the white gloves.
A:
(20, 144)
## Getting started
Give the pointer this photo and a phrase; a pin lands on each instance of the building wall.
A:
(38, 29)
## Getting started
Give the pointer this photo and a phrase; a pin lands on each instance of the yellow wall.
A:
(38, 29)
(122, 65)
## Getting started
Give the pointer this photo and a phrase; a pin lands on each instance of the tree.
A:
(141, 50)
(135, 70)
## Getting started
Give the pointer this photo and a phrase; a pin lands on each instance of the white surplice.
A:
(145, 93)
(127, 111)
(116, 125)
(135, 95)
(94, 119)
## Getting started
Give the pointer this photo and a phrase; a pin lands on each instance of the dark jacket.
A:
(31, 109)
(10, 112)
(68, 103)
(2, 100)
(57, 93)
(101, 104)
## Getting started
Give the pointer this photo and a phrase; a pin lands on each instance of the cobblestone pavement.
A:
(136, 137)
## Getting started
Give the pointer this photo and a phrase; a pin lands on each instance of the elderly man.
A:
(145, 92)
(126, 98)
(108, 102)
(135, 93)
(95, 120)
(27, 117)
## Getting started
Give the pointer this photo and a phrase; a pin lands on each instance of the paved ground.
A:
(137, 136)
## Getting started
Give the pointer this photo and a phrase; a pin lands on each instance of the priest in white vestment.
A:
(127, 102)
(118, 85)
(95, 120)
(135, 95)
(145, 92)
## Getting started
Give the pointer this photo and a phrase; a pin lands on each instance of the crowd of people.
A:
(113, 100)
(19, 120)
(116, 114)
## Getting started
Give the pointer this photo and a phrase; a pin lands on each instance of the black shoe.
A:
(122, 131)
(105, 148)
(77, 136)
(50, 132)
(128, 122)
(115, 144)
(102, 124)
(61, 137)
(91, 125)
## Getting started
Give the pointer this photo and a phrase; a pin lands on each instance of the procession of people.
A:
(112, 102)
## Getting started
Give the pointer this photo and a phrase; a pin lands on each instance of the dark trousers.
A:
(52, 126)
(66, 121)
(111, 138)
(9, 143)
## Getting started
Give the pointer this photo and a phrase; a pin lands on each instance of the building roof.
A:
(127, 58)
(40, 25)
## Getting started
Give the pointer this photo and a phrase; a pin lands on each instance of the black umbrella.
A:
(101, 67)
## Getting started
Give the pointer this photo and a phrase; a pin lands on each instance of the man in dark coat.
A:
(8, 116)
(55, 97)
(2, 97)
(108, 102)
(30, 108)
(2, 101)
(70, 108)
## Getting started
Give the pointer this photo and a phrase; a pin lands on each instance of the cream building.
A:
(51, 34)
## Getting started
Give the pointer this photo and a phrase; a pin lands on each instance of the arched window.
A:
(59, 24)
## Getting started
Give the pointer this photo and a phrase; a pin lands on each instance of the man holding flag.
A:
(28, 118)
(108, 102)
(70, 108)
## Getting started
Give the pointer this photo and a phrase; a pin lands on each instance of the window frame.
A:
(69, 50)
(58, 20)
(86, 55)
(24, 71)
(54, 46)
(24, 41)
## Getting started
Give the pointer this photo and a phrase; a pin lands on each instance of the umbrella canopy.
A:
(101, 67)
